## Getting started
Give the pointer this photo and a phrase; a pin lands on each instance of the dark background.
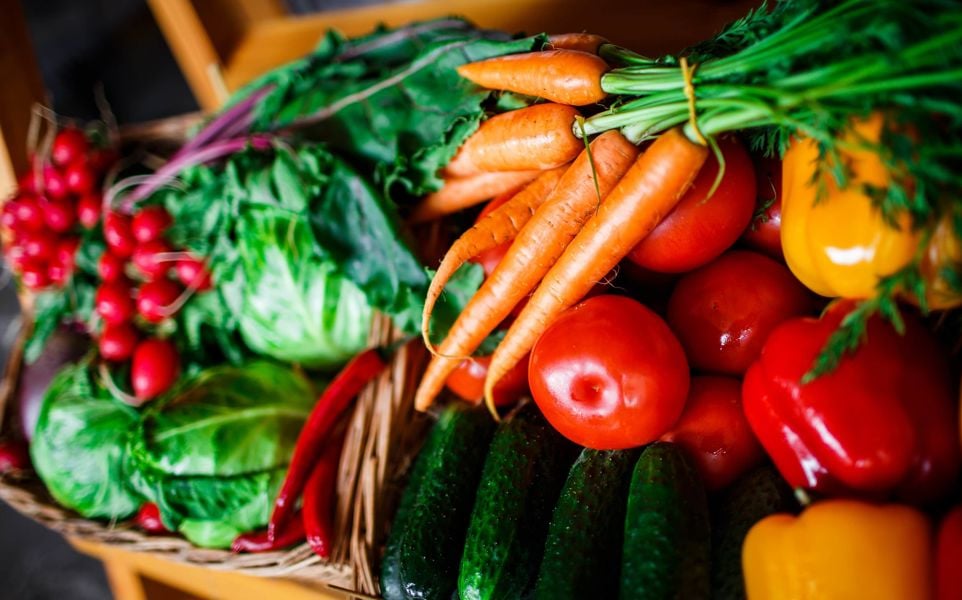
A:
(83, 46)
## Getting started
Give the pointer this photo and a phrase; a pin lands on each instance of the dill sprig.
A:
(813, 68)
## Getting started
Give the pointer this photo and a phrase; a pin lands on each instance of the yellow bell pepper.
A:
(840, 550)
(840, 246)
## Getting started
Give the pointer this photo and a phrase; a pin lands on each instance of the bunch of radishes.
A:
(144, 281)
(41, 221)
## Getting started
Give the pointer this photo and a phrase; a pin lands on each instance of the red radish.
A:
(29, 214)
(114, 302)
(117, 342)
(118, 234)
(150, 223)
(59, 215)
(39, 245)
(69, 145)
(155, 298)
(79, 177)
(193, 273)
(148, 519)
(148, 261)
(54, 184)
(88, 210)
(58, 273)
(100, 160)
(110, 267)
(67, 251)
(28, 181)
(8, 216)
(13, 456)
(33, 274)
(154, 369)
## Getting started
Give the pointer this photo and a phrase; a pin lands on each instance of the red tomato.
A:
(714, 432)
(724, 311)
(609, 374)
(467, 381)
(764, 233)
(701, 228)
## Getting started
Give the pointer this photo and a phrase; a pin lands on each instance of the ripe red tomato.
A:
(714, 432)
(724, 311)
(467, 381)
(609, 374)
(701, 228)
(764, 233)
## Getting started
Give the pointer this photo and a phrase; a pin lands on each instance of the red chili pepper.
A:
(318, 508)
(339, 393)
(884, 421)
(948, 557)
(148, 518)
(262, 541)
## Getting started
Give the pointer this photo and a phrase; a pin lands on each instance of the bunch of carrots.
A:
(580, 210)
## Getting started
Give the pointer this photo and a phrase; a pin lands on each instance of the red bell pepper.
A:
(948, 557)
(884, 421)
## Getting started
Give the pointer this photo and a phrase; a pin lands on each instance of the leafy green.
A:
(295, 307)
(814, 68)
(391, 102)
(213, 453)
(78, 446)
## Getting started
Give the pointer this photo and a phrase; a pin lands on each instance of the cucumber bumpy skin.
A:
(581, 553)
(522, 478)
(667, 547)
(750, 499)
(424, 546)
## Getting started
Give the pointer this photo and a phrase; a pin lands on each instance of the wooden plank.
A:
(646, 27)
(192, 48)
(199, 581)
(22, 87)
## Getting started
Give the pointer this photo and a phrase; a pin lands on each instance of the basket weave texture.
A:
(383, 432)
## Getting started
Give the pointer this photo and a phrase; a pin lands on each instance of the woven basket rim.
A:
(383, 432)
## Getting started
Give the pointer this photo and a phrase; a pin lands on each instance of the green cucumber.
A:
(667, 545)
(584, 538)
(522, 478)
(424, 546)
(750, 499)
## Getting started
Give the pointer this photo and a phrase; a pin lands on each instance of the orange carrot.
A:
(583, 42)
(496, 228)
(565, 76)
(647, 192)
(535, 137)
(539, 243)
(461, 192)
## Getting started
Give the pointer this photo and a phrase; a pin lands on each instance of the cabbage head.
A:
(293, 305)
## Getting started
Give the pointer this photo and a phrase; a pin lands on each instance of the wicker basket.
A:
(383, 434)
